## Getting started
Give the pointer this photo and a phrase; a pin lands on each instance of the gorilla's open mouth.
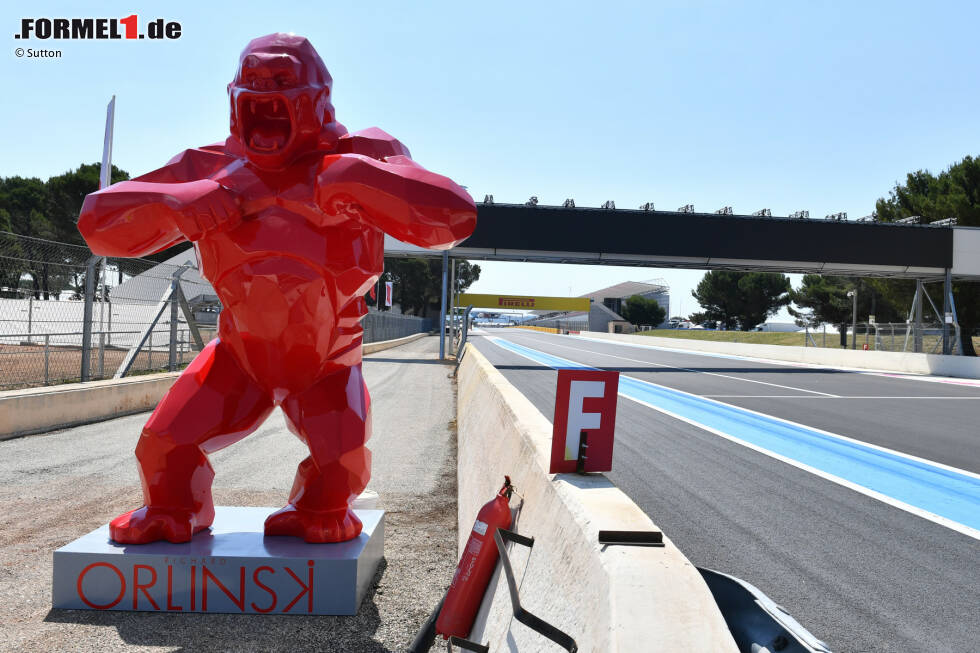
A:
(266, 122)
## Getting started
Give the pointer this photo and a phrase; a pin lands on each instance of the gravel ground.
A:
(58, 486)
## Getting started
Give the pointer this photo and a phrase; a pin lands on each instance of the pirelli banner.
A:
(518, 302)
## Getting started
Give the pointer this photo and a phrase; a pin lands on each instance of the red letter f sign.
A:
(586, 401)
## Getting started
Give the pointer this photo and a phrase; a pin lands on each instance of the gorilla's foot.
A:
(149, 524)
(330, 526)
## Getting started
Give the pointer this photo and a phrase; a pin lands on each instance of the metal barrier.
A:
(385, 325)
(66, 316)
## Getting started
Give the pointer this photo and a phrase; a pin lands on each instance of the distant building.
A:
(614, 297)
(607, 306)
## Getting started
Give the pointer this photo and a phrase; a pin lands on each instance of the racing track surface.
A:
(869, 540)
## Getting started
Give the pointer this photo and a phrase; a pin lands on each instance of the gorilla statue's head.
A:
(280, 100)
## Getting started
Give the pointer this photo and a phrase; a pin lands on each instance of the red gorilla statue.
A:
(288, 218)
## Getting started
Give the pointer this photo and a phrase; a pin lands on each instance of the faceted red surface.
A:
(288, 217)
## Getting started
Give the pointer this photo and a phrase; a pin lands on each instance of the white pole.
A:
(105, 173)
(105, 179)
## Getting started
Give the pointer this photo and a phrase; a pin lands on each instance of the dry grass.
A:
(23, 366)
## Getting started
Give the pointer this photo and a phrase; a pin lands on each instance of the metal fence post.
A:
(947, 315)
(87, 316)
(101, 354)
(917, 329)
(172, 359)
(47, 357)
(30, 316)
(442, 306)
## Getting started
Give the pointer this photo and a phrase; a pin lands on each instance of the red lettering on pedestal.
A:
(255, 579)
(137, 586)
(239, 601)
(122, 586)
(170, 589)
(307, 589)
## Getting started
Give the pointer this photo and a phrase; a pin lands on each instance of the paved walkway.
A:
(58, 486)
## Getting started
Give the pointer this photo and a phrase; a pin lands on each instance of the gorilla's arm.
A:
(159, 209)
(376, 181)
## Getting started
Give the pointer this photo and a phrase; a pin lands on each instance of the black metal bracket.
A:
(466, 644)
(632, 538)
(583, 448)
(531, 621)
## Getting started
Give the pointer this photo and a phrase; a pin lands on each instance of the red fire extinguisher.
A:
(475, 567)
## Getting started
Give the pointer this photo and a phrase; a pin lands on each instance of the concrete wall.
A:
(967, 367)
(371, 347)
(44, 409)
(36, 410)
(610, 599)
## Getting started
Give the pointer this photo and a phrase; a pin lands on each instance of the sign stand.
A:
(583, 447)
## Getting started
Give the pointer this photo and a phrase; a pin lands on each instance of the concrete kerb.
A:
(611, 598)
(372, 347)
(37, 410)
(966, 367)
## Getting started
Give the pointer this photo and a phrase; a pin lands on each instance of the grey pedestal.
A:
(233, 567)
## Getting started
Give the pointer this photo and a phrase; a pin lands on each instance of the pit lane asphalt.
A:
(858, 573)
(58, 486)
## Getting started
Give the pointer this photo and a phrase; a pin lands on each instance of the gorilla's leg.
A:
(212, 404)
(334, 419)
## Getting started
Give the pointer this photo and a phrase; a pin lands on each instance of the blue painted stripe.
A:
(940, 491)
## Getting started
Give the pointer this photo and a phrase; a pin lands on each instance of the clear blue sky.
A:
(786, 105)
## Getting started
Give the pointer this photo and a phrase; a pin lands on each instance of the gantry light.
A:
(687, 208)
(946, 222)
(569, 203)
(725, 210)
(763, 213)
(488, 199)
(532, 202)
(609, 204)
(800, 215)
(912, 219)
(648, 206)
(836, 217)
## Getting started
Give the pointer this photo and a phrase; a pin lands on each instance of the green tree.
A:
(953, 193)
(67, 191)
(418, 282)
(824, 300)
(741, 299)
(640, 310)
(48, 210)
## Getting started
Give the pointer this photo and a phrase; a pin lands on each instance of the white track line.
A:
(895, 503)
(894, 452)
(884, 498)
(834, 397)
(687, 369)
(972, 383)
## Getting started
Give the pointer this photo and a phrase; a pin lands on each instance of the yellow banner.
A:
(521, 303)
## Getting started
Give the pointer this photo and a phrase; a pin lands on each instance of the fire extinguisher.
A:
(475, 567)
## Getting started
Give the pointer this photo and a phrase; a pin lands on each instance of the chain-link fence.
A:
(136, 313)
(386, 325)
(67, 316)
(888, 336)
